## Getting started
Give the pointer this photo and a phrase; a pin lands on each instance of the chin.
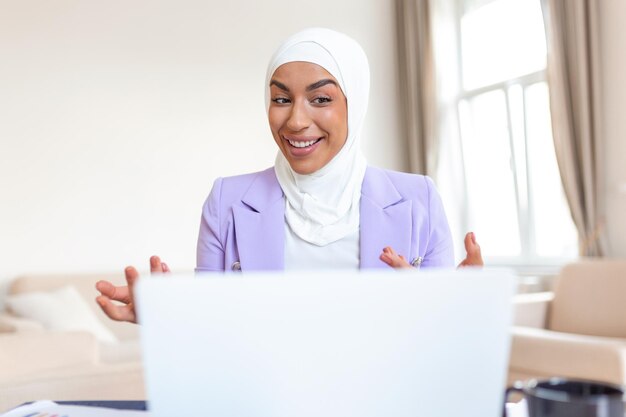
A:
(304, 168)
(303, 171)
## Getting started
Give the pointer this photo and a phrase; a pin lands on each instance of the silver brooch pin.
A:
(416, 262)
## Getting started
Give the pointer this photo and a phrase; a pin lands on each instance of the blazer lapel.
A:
(386, 219)
(260, 225)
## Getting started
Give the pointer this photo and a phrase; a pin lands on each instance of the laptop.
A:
(363, 344)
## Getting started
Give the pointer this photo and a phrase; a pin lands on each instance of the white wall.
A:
(116, 116)
(613, 60)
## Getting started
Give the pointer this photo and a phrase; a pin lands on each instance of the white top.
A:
(302, 255)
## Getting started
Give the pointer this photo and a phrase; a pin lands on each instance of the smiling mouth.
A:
(302, 143)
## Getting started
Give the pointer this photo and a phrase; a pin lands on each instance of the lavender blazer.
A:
(243, 222)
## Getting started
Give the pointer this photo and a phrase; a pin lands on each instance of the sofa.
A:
(67, 359)
(55, 343)
(578, 330)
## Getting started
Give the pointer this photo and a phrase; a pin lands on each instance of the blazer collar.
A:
(386, 219)
(263, 192)
(260, 224)
(378, 188)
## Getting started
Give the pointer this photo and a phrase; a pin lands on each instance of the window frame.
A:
(528, 261)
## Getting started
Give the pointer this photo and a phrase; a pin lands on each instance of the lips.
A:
(302, 146)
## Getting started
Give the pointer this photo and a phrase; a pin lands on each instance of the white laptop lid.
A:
(418, 343)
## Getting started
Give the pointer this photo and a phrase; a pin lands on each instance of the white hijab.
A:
(323, 207)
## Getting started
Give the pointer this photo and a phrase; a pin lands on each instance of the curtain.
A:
(418, 87)
(573, 77)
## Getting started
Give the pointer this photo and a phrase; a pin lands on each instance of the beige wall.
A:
(613, 60)
(116, 116)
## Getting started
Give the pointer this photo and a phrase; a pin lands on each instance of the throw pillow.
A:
(61, 310)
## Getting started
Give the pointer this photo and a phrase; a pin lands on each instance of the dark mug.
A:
(560, 397)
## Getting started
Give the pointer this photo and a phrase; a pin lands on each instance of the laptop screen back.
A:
(416, 343)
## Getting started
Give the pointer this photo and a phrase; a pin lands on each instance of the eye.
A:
(281, 100)
(322, 100)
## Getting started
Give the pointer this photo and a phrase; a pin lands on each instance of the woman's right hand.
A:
(124, 294)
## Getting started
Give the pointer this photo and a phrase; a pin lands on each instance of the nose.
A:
(298, 117)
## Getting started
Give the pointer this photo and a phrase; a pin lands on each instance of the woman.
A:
(321, 206)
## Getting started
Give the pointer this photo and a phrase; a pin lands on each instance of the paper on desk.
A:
(40, 408)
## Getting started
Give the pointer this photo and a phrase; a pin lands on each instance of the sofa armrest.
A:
(32, 352)
(547, 353)
(531, 310)
(11, 324)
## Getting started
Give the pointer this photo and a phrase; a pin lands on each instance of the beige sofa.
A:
(41, 362)
(38, 363)
(578, 331)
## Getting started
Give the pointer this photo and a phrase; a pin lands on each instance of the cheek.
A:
(274, 118)
(337, 123)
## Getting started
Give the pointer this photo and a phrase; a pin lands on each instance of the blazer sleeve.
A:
(210, 250)
(440, 250)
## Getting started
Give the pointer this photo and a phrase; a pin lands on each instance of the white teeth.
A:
(301, 144)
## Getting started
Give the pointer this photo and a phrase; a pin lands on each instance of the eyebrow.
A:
(321, 83)
(314, 86)
(279, 85)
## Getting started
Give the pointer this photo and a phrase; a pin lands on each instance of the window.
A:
(502, 151)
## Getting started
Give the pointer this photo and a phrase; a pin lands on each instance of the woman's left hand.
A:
(391, 258)
(472, 258)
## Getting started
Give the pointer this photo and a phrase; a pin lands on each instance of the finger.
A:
(474, 256)
(390, 251)
(114, 293)
(395, 260)
(114, 312)
(165, 267)
(467, 241)
(155, 265)
(105, 288)
(473, 249)
(471, 245)
(131, 278)
(392, 261)
(386, 259)
(399, 261)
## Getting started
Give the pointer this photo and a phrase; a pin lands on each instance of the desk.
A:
(120, 405)
(512, 409)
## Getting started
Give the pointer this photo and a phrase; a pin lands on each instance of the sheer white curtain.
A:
(573, 76)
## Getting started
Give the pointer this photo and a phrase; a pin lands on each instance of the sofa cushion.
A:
(85, 284)
(30, 353)
(10, 323)
(62, 310)
(589, 299)
(125, 351)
